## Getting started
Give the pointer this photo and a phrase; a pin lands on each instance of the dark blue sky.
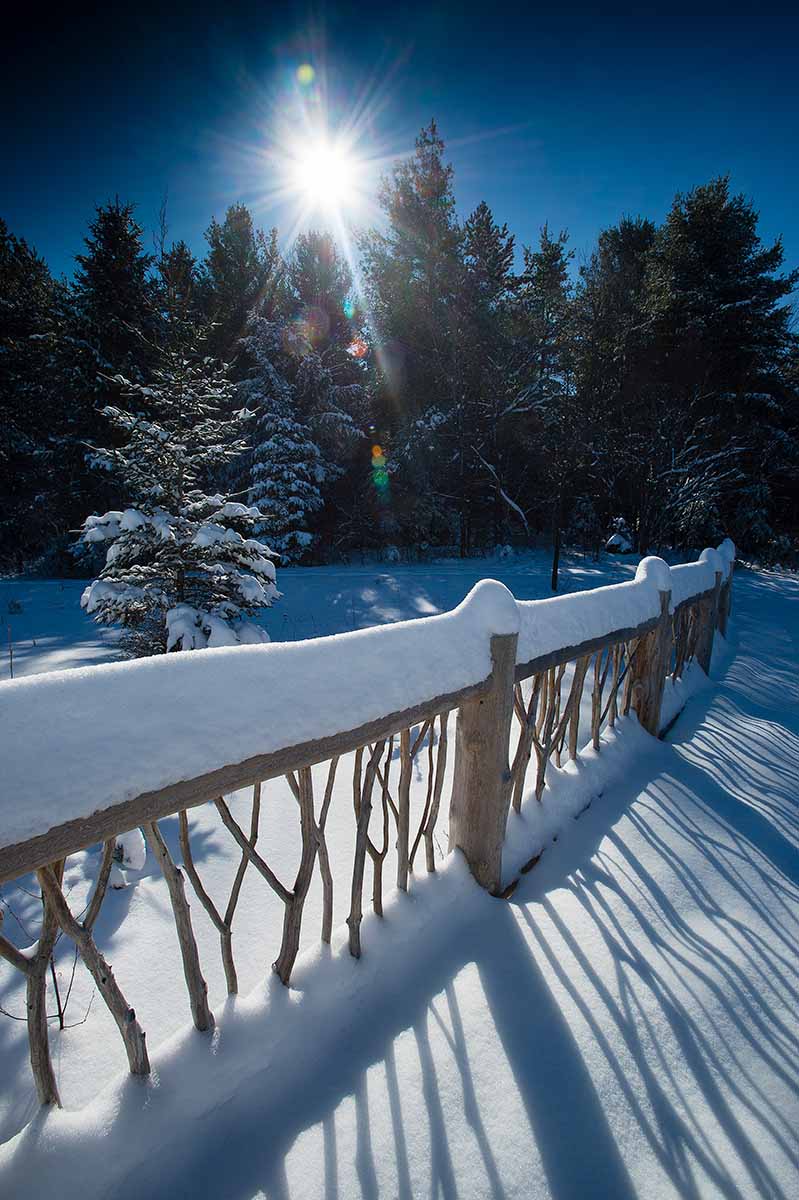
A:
(569, 113)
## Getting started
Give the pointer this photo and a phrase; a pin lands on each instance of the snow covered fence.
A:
(91, 753)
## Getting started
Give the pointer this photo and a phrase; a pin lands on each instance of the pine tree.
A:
(498, 427)
(718, 301)
(181, 571)
(546, 375)
(415, 274)
(618, 393)
(243, 270)
(113, 295)
(107, 324)
(329, 395)
(28, 406)
(286, 468)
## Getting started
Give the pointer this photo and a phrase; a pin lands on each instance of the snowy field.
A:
(53, 632)
(625, 1026)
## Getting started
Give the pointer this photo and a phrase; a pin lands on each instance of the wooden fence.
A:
(508, 727)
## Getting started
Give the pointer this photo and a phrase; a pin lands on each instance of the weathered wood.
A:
(324, 857)
(71, 836)
(101, 885)
(690, 601)
(378, 853)
(292, 915)
(567, 654)
(226, 939)
(708, 620)
(596, 699)
(613, 701)
(35, 970)
(438, 787)
(404, 810)
(12, 955)
(481, 784)
(222, 926)
(725, 605)
(578, 683)
(363, 811)
(195, 982)
(252, 854)
(428, 800)
(648, 669)
(100, 970)
(528, 717)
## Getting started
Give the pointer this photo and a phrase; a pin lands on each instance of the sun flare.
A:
(326, 175)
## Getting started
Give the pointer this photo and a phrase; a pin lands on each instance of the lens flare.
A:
(305, 74)
(380, 473)
(326, 175)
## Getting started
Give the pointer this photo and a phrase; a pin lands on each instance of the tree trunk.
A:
(556, 535)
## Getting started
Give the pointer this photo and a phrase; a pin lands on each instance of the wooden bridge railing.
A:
(528, 677)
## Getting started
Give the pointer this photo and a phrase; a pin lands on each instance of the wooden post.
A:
(481, 785)
(708, 620)
(725, 604)
(649, 667)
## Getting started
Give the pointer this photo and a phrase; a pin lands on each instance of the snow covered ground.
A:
(53, 632)
(625, 1026)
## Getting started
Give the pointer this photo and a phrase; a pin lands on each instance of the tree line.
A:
(452, 400)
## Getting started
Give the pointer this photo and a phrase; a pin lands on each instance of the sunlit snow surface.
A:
(624, 1026)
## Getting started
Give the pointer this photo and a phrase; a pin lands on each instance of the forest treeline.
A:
(435, 393)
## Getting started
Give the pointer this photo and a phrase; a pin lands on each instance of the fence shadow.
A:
(668, 973)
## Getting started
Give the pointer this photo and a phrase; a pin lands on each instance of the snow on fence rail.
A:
(125, 745)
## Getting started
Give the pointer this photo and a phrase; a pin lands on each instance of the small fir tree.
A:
(181, 570)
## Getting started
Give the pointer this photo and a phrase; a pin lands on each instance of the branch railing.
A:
(536, 682)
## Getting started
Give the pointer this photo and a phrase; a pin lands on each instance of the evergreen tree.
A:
(286, 467)
(180, 571)
(718, 301)
(113, 296)
(496, 425)
(179, 280)
(619, 400)
(329, 395)
(107, 325)
(546, 375)
(28, 408)
(415, 275)
(243, 270)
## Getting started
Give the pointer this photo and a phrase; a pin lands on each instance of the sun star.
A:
(326, 175)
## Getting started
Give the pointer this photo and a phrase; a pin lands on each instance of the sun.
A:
(326, 174)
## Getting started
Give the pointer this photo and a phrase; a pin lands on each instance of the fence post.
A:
(649, 668)
(725, 604)
(708, 620)
(481, 784)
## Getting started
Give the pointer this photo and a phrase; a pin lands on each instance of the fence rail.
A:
(529, 676)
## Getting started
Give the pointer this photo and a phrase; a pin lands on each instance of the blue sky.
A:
(572, 114)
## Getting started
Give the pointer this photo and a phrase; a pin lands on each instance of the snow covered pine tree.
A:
(180, 572)
(287, 467)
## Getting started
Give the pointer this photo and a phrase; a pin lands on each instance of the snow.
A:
(689, 580)
(127, 728)
(132, 849)
(548, 625)
(624, 1026)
